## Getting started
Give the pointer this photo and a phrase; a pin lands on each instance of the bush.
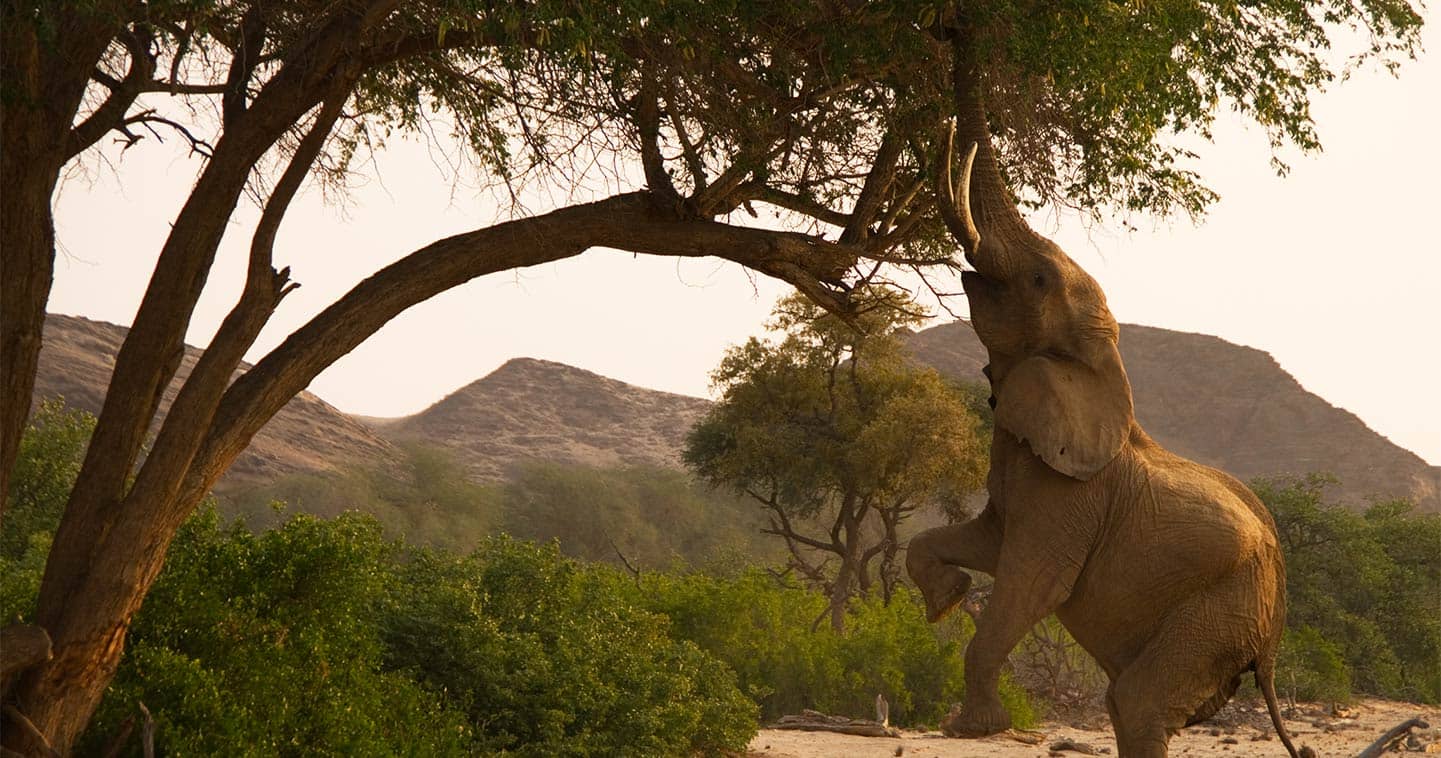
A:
(265, 644)
(1311, 668)
(321, 636)
(49, 458)
(1366, 584)
(51, 451)
(784, 659)
(548, 659)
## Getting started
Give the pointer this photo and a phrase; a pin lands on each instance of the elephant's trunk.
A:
(984, 219)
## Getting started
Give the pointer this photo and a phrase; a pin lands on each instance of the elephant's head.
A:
(1055, 370)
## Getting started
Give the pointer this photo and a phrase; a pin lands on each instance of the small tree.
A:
(839, 438)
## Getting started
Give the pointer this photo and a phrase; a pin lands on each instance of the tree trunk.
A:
(27, 239)
(852, 569)
(840, 594)
(43, 82)
(89, 627)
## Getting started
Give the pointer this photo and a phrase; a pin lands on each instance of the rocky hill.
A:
(538, 410)
(1229, 406)
(307, 436)
(1234, 408)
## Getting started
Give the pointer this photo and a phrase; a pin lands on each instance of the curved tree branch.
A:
(111, 113)
(796, 203)
(631, 222)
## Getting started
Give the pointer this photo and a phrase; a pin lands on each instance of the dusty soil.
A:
(1239, 730)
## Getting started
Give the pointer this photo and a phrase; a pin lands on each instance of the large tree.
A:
(833, 112)
(840, 437)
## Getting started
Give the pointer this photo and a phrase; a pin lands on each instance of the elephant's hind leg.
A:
(1214, 703)
(936, 557)
(1185, 674)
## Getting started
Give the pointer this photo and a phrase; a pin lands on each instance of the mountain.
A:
(1231, 407)
(531, 409)
(307, 436)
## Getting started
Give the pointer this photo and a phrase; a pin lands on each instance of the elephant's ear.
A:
(1075, 415)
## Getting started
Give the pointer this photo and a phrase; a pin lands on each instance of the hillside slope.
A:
(531, 409)
(306, 436)
(1222, 404)
(1231, 407)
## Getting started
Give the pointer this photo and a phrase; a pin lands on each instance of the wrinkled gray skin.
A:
(1168, 572)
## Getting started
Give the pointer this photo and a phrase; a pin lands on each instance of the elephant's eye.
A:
(1038, 280)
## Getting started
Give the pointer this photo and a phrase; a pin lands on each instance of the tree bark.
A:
(851, 570)
(21, 646)
(43, 82)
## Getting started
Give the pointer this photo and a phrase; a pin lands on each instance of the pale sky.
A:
(1334, 269)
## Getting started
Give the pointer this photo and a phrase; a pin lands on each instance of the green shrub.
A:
(266, 644)
(1367, 583)
(49, 458)
(787, 661)
(51, 451)
(1311, 668)
(547, 659)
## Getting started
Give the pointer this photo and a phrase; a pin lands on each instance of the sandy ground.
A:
(1237, 731)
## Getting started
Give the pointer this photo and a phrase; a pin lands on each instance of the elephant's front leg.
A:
(935, 559)
(1029, 585)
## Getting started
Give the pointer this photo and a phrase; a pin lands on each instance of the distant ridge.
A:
(308, 435)
(531, 409)
(1234, 408)
(1229, 406)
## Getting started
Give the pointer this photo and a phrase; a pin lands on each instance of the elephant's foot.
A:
(976, 720)
(943, 589)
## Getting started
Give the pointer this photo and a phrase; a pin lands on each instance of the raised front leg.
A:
(936, 557)
(1030, 584)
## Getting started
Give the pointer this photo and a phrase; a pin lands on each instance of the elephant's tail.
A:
(1266, 681)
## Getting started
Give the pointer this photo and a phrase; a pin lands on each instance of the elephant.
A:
(1169, 573)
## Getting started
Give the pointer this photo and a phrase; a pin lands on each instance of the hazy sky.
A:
(1334, 269)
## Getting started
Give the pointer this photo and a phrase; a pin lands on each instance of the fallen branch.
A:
(815, 721)
(1025, 736)
(1066, 743)
(1391, 737)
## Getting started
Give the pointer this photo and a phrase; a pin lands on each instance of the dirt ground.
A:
(1239, 730)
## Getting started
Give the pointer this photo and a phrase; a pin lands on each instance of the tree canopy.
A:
(831, 113)
(840, 438)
